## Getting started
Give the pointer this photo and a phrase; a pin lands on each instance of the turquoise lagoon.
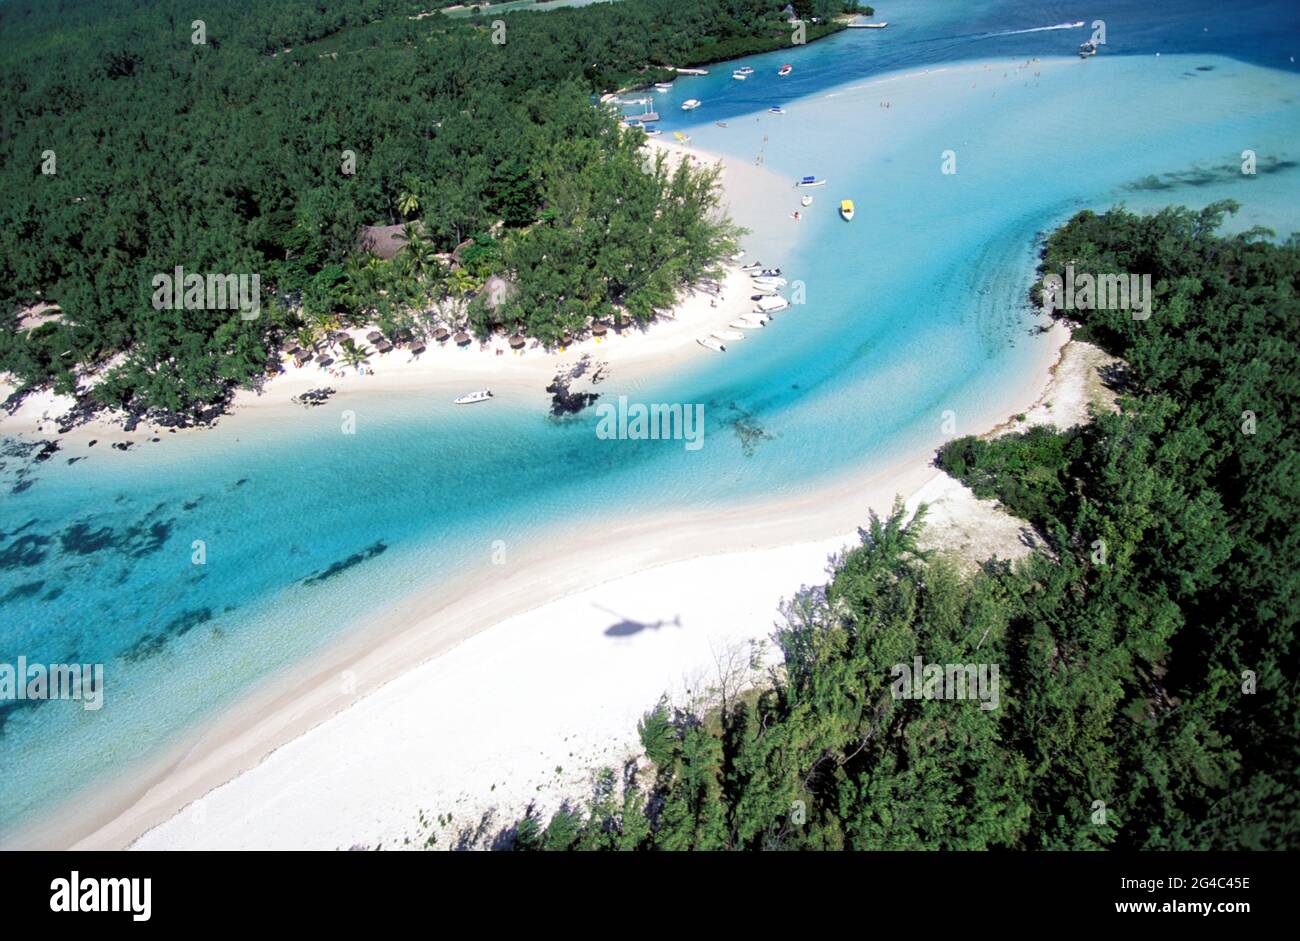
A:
(917, 307)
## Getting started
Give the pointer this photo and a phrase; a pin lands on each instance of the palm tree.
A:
(352, 354)
(408, 203)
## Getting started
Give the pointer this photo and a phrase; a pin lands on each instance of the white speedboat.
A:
(810, 181)
(805, 201)
(728, 334)
(690, 104)
(712, 343)
(739, 76)
(785, 70)
(768, 273)
(744, 70)
(770, 305)
(770, 282)
(846, 209)
(764, 291)
(753, 266)
(739, 324)
(751, 321)
(776, 109)
(470, 398)
(664, 86)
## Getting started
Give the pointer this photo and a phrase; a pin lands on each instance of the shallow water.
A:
(916, 308)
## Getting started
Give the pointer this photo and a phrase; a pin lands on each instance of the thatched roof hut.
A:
(384, 241)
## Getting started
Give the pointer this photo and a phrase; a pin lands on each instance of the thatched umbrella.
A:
(441, 334)
(599, 329)
(566, 340)
(517, 342)
(462, 339)
(383, 346)
(374, 336)
(416, 347)
(324, 360)
(621, 323)
(301, 356)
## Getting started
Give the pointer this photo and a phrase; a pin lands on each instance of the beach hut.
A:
(441, 334)
(517, 342)
(462, 339)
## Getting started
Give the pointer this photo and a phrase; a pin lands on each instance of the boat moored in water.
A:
(810, 181)
(739, 76)
(776, 109)
(664, 86)
(785, 70)
(846, 209)
(470, 398)
(690, 104)
(805, 201)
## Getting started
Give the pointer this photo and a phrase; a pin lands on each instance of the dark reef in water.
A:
(25, 551)
(1207, 176)
(136, 541)
(338, 568)
(565, 402)
(152, 644)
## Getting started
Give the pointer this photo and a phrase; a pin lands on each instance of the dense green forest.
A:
(1148, 694)
(129, 147)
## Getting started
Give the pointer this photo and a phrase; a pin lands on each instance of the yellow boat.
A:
(846, 209)
(682, 138)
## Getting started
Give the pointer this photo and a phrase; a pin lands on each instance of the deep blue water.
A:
(916, 308)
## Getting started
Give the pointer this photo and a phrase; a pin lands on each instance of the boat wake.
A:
(1037, 29)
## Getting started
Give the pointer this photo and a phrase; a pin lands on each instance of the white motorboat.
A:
(712, 343)
(764, 292)
(728, 334)
(739, 76)
(690, 104)
(770, 305)
(752, 321)
(470, 398)
(806, 201)
(739, 324)
(664, 86)
(752, 266)
(810, 181)
(766, 282)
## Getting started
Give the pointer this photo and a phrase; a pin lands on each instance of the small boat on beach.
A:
(681, 138)
(768, 273)
(470, 398)
(739, 324)
(753, 321)
(651, 130)
(805, 201)
(720, 123)
(776, 109)
(752, 266)
(760, 293)
(690, 104)
(810, 181)
(846, 209)
(728, 335)
(785, 70)
(712, 343)
(769, 282)
(770, 305)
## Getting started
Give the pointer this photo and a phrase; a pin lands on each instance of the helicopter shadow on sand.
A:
(629, 627)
